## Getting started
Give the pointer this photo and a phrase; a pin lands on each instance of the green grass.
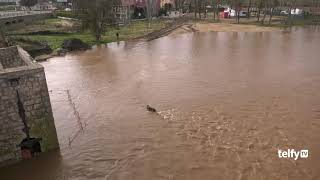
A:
(7, 8)
(55, 41)
(53, 25)
(134, 30)
(68, 14)
(282, 22)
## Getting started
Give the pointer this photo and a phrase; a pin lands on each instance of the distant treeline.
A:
(259, 8)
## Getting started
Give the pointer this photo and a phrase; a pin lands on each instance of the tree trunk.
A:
(289, 17)
(98, 37)
(318, 7)
(205, 10)
(271, 14)
(217, 11)
(199, 8)
(195, 9)
(259, 11)
(249, 9)
(214, 11)
(149, 12)
(99, 30)
(264, 16)
(238, 13)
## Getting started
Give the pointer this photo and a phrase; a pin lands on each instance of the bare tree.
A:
(249, 9)
(195, 8)
(274, 4)
(199, 7)
(96, 15)
(237, 4)
(260, 6)
(291, 4)
(214, 5)
(266, 5)
(151, 10)
(179, 4)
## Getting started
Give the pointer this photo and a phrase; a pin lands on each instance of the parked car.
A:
(296, 12)
(233, 13)
(284, 13)
(243, 14)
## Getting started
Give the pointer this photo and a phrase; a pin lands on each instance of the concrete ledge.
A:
(27, 65)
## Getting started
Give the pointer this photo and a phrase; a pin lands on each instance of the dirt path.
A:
(220, 27)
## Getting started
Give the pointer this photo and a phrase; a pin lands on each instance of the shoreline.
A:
(147, 37)
(221, 27)
(183, 28)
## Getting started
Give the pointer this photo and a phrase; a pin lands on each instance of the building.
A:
(164, 2)
(122, 14)
(139, 7)
(43, 6)
(64, 3)
(27, 124)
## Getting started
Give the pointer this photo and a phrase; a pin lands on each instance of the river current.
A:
(227, 102)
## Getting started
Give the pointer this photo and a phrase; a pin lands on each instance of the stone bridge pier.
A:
(25, 108)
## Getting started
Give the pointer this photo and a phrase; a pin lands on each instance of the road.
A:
(10, 14)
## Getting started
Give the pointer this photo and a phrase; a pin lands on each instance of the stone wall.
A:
(10, 58)
(28, 82)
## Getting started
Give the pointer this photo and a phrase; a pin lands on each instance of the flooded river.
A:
(227, 102)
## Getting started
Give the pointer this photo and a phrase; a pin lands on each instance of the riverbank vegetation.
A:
(97, 21)
(54, 31)
(280, 13)
(96, 15)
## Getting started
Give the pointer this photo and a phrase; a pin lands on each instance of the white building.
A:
(163, 2)
(43, 6)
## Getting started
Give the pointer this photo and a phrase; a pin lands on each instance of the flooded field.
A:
(227, 102)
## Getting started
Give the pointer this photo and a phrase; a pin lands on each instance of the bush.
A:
(74, 44)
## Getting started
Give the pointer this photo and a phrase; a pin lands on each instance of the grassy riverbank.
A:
(283, 22)
(277, 21)
(55, 31)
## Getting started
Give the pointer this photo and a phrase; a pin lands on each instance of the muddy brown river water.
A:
(227, 102)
